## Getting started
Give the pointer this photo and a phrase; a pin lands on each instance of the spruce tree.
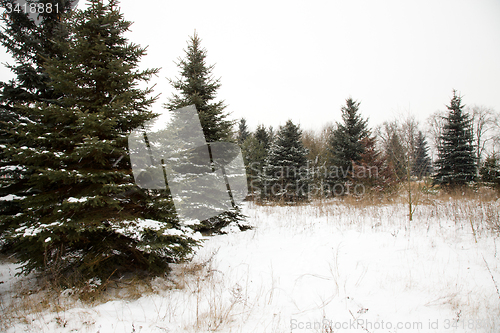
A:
(254, 155)
(345, 143)
(87, 217)
(255, 150)
(396, 155)
(286, 177)
(263, 136)
(242, 131)
(30, 45)
(490, 171)
(372, 171)
(197, 86)
(456, 164)
(422, 165)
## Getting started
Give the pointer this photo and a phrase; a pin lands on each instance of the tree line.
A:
(350, 158)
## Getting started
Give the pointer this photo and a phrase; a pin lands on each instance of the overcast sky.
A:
(300, 60)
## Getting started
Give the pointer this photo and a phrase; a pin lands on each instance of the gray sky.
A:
(301, 59)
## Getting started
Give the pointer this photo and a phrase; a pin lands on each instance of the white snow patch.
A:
(10, 197)
(316, 268)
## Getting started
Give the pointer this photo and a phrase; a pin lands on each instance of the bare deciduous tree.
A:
(485, 124)
(435, 125)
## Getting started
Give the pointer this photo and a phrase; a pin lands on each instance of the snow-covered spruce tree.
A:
(345, 143)
(422, 165)
(196, 86)
(456, 164)
(30, 44)
(286, 174)
(87, 218)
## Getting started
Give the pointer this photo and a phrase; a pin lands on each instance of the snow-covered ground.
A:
(319, 268)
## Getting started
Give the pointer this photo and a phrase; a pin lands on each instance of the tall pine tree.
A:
(197, 86)
(87, 217)
(286, 177)
(456, 164)
(345, 143)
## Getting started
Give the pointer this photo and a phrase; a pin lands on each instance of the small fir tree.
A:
(255, 150)
(372, 171)
(243, 133)
(422, 165)
(286, 176)
(456, 164)
(263, 136)
(490, 171)
(86, 217)
(396, 155)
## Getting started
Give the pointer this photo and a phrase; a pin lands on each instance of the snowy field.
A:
(325, 267)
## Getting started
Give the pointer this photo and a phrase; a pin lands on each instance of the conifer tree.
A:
(87, 217)
(490, 171)
(242, 131)
(372, 170)
(255, 150)
(422, 164)
(456, 164)
(196, 86)
(30, 44)
(263, 136)
(396, 155)
(345, 144)
(286, 175)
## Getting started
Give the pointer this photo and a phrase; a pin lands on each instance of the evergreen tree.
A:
(30, 45)
(422, 165)
(255, 150)
(242, 131)
(263, 136)
(285, 174)
(490, 171)
(196, 86)
(345, 144)
(86, 217)
(372, 170)
(456, 164)
(396, 155)
(254, 155)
